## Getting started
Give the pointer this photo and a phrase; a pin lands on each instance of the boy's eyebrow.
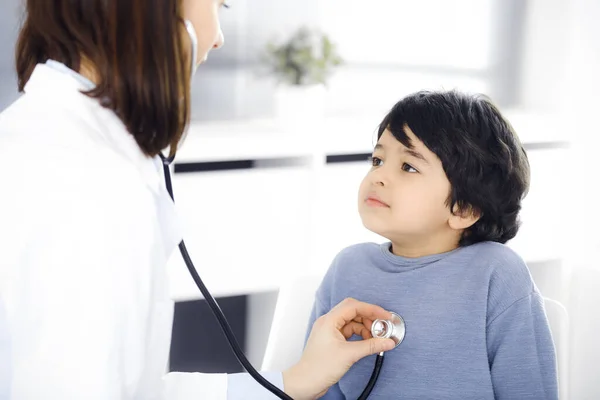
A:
(416, 154)
(408, 151)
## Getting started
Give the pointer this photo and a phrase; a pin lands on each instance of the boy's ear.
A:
(463, 219)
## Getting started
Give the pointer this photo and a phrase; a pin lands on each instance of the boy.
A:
(445, 187)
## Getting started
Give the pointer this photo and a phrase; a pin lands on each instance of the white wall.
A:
(583, 215)
(545, 54)
(9, 17)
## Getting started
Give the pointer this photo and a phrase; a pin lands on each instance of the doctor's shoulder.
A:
(74, 132)
(66, 164)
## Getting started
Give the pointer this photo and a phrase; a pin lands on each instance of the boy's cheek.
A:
(362, 191)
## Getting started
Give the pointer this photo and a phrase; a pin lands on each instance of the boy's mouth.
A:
(373, 200)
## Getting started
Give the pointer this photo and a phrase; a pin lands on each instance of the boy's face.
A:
(403, 197)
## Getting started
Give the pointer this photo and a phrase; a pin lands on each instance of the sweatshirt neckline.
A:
(412, 262)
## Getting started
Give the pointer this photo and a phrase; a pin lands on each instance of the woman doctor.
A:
(87, 225)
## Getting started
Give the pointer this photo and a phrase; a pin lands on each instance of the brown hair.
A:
(136, 50)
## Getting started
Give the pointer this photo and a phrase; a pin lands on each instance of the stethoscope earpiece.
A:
(394, 328)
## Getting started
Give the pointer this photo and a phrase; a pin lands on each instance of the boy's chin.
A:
(378, 227)
(383, 228)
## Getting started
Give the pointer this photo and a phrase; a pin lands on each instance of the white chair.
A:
(290, 323)
(584, 382)
(558, 318)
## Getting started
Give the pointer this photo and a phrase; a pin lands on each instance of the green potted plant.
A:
(302, 65)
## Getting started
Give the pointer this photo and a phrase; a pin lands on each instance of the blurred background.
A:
(285, 159)
(516, 51)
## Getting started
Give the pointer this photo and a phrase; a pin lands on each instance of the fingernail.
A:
(389, 344)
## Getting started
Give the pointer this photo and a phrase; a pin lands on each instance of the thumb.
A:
(367, 347)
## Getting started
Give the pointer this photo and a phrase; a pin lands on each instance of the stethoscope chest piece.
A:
(393, 328)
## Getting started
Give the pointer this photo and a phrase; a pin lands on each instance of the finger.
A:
(355, 328)
(360, 319)
(364, 321)
(363, 348)
(367, 323)
(349, 309)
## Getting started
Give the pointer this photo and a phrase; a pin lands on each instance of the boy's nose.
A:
(378, 178)
(220, 41)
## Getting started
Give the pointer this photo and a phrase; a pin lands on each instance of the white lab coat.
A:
(86, 228)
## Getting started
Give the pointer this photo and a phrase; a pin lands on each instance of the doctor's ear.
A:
(463, 217)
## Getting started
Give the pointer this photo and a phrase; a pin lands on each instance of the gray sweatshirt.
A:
(475, 324)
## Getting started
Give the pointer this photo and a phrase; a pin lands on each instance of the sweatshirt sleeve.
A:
(521, 352)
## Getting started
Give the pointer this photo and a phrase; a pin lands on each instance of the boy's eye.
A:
(408, 168)
(375, 161)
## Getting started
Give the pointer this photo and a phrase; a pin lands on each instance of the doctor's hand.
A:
(328, 355)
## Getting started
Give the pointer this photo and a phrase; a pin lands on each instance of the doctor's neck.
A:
(88, 70)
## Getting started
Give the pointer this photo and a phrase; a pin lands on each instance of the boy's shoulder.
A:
(498, 256)
(500, 260)
(509, 278)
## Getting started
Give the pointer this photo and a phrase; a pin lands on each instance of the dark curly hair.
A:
(481, 155)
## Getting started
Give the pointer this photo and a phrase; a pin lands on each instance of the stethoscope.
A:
(394, 328)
